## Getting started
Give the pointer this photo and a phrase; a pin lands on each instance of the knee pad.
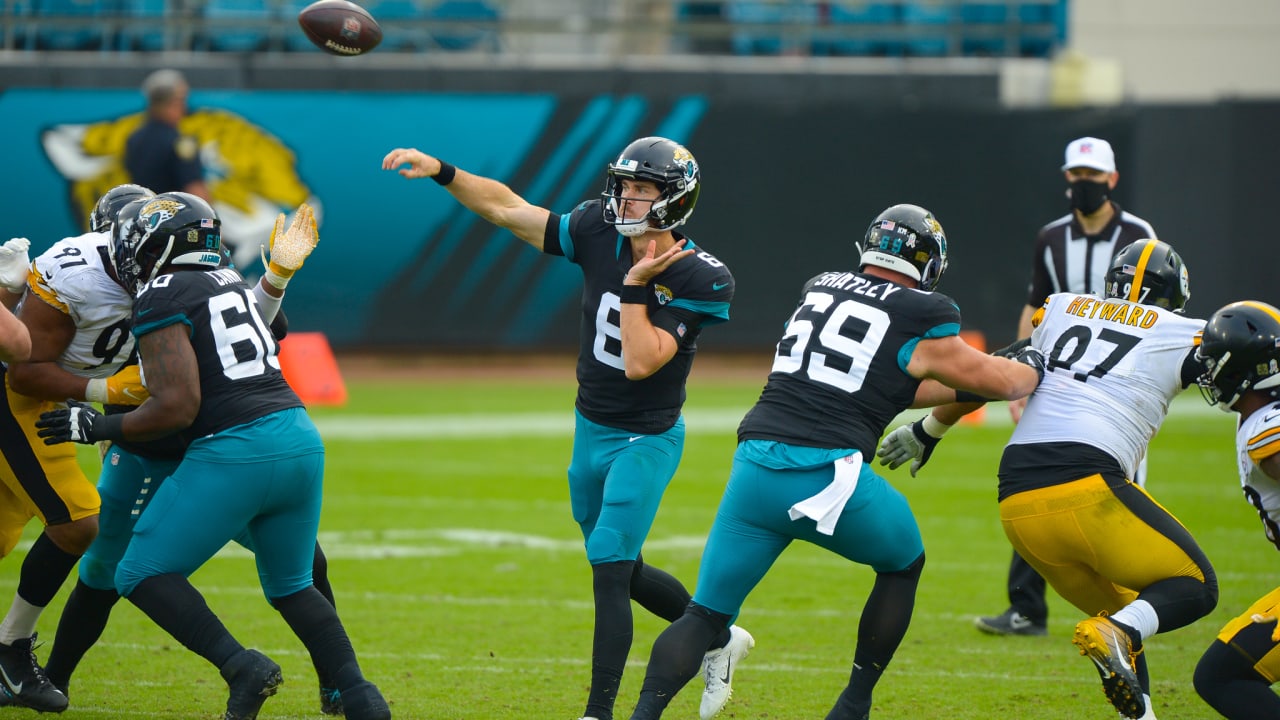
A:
(606, 545)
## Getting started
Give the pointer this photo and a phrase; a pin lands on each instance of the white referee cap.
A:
(1090, 152)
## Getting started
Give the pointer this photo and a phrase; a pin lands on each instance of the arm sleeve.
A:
(270, 305)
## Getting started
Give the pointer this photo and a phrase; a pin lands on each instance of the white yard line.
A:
(697, 420)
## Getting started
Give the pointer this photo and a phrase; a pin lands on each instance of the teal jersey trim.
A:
(140, 330)
(716, 312)
(566, 242)
(944, 330)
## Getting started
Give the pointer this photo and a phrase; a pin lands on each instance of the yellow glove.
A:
(123, 388)
(290, 248)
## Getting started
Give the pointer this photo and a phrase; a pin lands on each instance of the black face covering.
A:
(1087, 196)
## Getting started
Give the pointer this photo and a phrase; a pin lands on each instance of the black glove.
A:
(1033, 358)
(1012, 349)
(77, 422)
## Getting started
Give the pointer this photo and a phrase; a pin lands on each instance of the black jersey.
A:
(173, 447)
(1068, 260)
(240, 378)
(692, 293)
(840, 373)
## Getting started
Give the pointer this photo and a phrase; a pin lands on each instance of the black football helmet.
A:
(108, 206)
(909, 240)
(174, 228)
(1240, 349)
(1149, 272)
(668, 165)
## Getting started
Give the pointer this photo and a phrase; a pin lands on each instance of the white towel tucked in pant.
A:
(826, 506)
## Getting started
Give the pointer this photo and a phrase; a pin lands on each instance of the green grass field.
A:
(461, 578)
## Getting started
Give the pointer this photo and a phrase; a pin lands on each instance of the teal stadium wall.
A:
(792, 173)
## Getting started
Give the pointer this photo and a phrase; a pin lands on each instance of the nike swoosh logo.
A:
(719, 286)
(1121, 653)
(635, 438)
(15, 688)
(1270, 416)
(133, 394)
(144, 312)
(728, 670)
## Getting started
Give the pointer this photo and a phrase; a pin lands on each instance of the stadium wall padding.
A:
(789, 187)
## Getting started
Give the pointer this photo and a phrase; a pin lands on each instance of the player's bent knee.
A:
(911, 571)
(608, 545)
(97, 574)
(75, 537)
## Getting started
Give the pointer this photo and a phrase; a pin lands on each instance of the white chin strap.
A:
(633, 229)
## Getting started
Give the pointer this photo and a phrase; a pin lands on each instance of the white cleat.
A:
(717, 671)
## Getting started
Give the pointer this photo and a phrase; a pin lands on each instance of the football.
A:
(340, 27)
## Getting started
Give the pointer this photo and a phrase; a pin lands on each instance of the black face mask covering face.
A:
(1087, 196)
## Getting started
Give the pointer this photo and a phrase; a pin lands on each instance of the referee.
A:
(156, 155)
(1072, 255)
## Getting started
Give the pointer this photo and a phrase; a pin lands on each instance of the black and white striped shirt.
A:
(1067, 260)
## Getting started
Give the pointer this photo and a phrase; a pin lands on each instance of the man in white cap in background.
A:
(1072, 254)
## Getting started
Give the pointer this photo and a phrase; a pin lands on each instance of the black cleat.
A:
(1010, 622)
(330, 701)
(252, 678)
(24, 680)
(365, 702)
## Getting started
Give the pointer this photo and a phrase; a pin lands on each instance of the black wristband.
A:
(445, 176)
(965, 396)
(634, 294)
(110, 427)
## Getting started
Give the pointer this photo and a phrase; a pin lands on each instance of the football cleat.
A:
(365, 702)
(330, 701)
(252, 678)
(1111, 650)
(1010, 622)
(24, 680)
(718, 667)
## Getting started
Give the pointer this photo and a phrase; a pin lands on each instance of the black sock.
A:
(180, 610)
(885, 618)
(316, 624)
(676, 658)
(611, 643)
(658, 591)
(320, 577)
(81, 624)
(44, 570)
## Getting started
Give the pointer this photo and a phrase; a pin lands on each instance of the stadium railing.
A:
(894, 28)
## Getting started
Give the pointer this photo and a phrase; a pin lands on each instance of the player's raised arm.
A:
(483, 196)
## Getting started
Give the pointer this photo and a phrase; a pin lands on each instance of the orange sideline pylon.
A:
(309, 367)
(976, 339)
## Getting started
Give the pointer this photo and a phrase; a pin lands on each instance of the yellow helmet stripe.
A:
(1136, 288)
(1263, 307)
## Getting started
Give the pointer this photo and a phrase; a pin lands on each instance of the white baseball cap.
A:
(1090, 152)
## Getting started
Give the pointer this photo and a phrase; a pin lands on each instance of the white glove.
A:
(911, 442)
(14, 265)
(290, 248)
